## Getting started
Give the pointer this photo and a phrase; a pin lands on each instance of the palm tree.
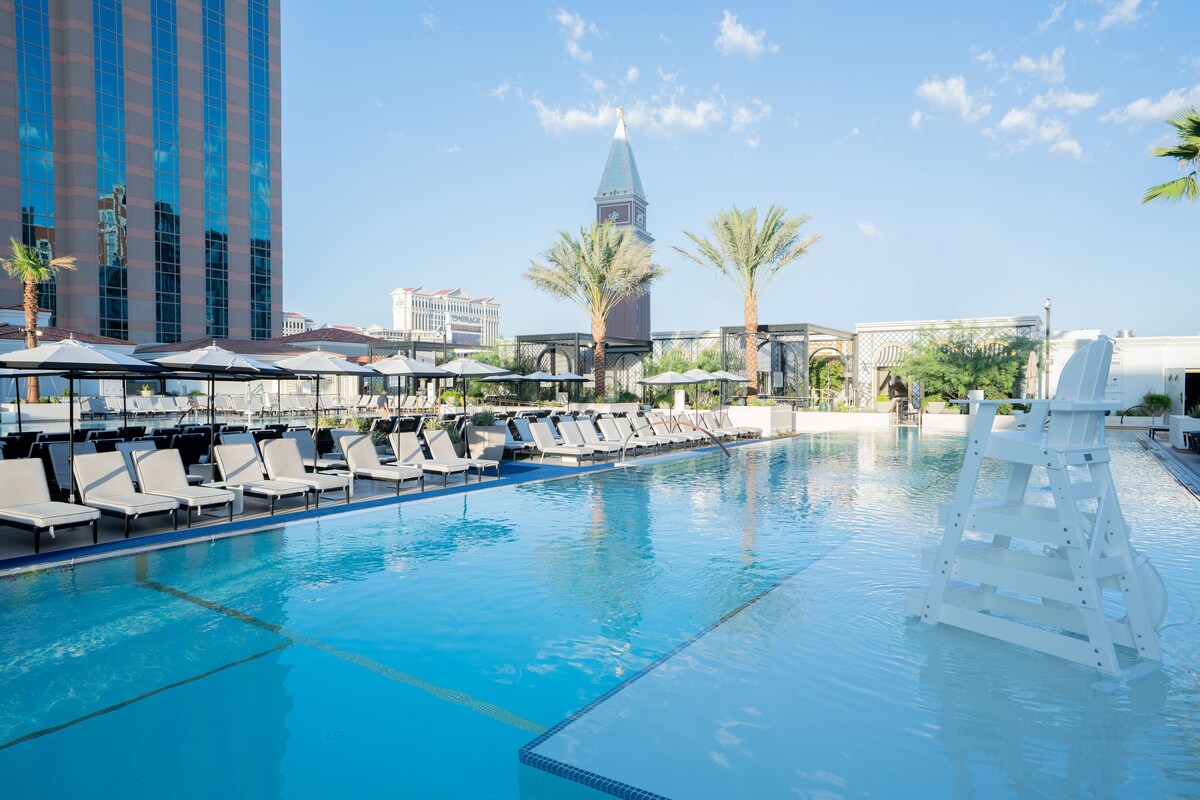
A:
(1186, 122)
(750, 256)
(28, 266)
(602, 267)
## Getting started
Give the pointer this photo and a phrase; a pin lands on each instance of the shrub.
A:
(934, 398)
(436, 424)
(1156, 403)
(757, 401)
(882, 398)
(1195, 411)
(482, 419)
(626, 396)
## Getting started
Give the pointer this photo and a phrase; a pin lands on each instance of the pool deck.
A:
(74, 545)
(1183, 465)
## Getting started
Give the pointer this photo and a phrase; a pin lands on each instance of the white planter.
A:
(974, 394)
(936, 407)
(1179, 423)
(769, 419)
(883, 407)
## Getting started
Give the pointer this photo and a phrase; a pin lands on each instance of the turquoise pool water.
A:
(411, 651)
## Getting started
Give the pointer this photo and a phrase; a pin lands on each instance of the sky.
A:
(956, 159)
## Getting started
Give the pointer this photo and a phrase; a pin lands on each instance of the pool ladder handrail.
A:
(633, 430)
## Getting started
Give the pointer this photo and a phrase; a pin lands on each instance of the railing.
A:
(633, 431)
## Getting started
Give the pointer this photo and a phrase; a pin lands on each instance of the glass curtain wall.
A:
(259, 56)
(164, 46)
(216, 171)
(112, 220)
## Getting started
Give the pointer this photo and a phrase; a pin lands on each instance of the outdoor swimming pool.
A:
(411, 651)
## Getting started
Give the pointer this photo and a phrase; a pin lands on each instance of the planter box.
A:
(770, 419)
(1178, 424)
(884, 407)
(487, 441)
(936, 407)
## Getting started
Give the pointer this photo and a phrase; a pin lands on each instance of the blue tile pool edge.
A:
(529, 473)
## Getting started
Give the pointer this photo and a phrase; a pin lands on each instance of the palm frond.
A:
(1185, 188)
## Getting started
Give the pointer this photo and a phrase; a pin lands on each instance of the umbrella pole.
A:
(17, 397)
(71, 434)
(212, 419)
(125, 402)
(316, 421)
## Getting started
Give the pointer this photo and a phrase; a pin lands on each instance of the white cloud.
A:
(1055, 15)
(575, 27)
(1050, 68)
(448, 149)
(752, 143)
(1068, 147)
(1146, 110)
(737, 39)
(914, 120)
(428, 19)
(501, 91)
(1119, 12)
(1071, 102)
(869, 229)
(631, 75)
(664, 119)
(599, 86)
(986, 58)
(746, 115)
(662, 37)
(1025, 127)
(952, 94)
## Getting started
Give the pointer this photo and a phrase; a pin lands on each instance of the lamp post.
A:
(1046, 354)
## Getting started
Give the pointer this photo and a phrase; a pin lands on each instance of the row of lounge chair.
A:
(156, 406)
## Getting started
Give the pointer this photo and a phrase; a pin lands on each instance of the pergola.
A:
(557, 353)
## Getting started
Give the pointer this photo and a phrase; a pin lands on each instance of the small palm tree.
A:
(750, 256)
(28, 266)
(601, 268)
(1186, 151)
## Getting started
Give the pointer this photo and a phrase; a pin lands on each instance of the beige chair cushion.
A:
(49, 514)
(132, 505)
(197, 496)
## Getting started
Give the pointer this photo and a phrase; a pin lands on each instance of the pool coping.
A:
(537, 473)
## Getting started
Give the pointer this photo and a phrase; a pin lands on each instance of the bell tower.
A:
(622, 201)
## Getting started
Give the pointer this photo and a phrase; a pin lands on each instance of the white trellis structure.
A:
(1036, 575)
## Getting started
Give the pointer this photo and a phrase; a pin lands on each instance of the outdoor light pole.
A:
(1046, 355)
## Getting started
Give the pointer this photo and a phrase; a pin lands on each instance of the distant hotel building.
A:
(449, 313)
(142, 137)
(295, 322)
(621, 200)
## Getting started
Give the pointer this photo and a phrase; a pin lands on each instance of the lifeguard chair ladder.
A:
(1047, 594)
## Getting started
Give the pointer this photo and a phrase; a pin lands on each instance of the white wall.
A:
(1140, 364)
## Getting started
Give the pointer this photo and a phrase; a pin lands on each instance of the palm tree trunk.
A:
(750, 310)
(599, 331)
(32, 389)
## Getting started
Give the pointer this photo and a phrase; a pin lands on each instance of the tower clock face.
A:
(641, 219)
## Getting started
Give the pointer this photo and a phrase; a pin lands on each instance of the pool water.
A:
(411, 651)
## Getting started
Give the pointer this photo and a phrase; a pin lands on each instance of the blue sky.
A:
(958, 159)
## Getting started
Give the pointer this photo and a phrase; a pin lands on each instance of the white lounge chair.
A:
(104, 484)
(546, 446)
(515, 446)
(161, 472)
(239, 464)
(25, 502)
(363, 461)
(625, 426)
(573, 435)
(308, 451)
(60, 460)
(282, 461)
(443, 449)
(612, 432)
(408, 452)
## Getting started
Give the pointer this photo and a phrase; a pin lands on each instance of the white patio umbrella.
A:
(469, 368)
(316, 364)
(73, 357)
(671, 378)
(569, 377)
(212, 361)
(727, 377)
(539, 378)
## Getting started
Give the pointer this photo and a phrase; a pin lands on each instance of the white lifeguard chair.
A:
(1035, 575)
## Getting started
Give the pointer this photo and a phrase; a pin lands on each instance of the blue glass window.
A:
(216, 200)
(164, 55)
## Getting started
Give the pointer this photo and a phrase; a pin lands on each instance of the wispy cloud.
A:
(1145, 109)
(1050, 68)
(869, 229)
(1071, 102)
(501, 91)
(952, 94)
(1119, 12)
(449, 149)
(1056, 13)
(659, 118)
(575, 27)
(428, 19)
(746, 115)
(914, 120)
(1024, 127)
(631, 75)
(752, 144)
(736, 39)
(986, 58)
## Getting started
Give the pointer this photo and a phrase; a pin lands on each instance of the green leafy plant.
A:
(882, 398)
(934, 398)
(145, 387)
(757, 401)
(481, 419)
(1194, 412)
(1186, 151)
(951, 359)
(626, 396)
(436, 424)
(1156, 403)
